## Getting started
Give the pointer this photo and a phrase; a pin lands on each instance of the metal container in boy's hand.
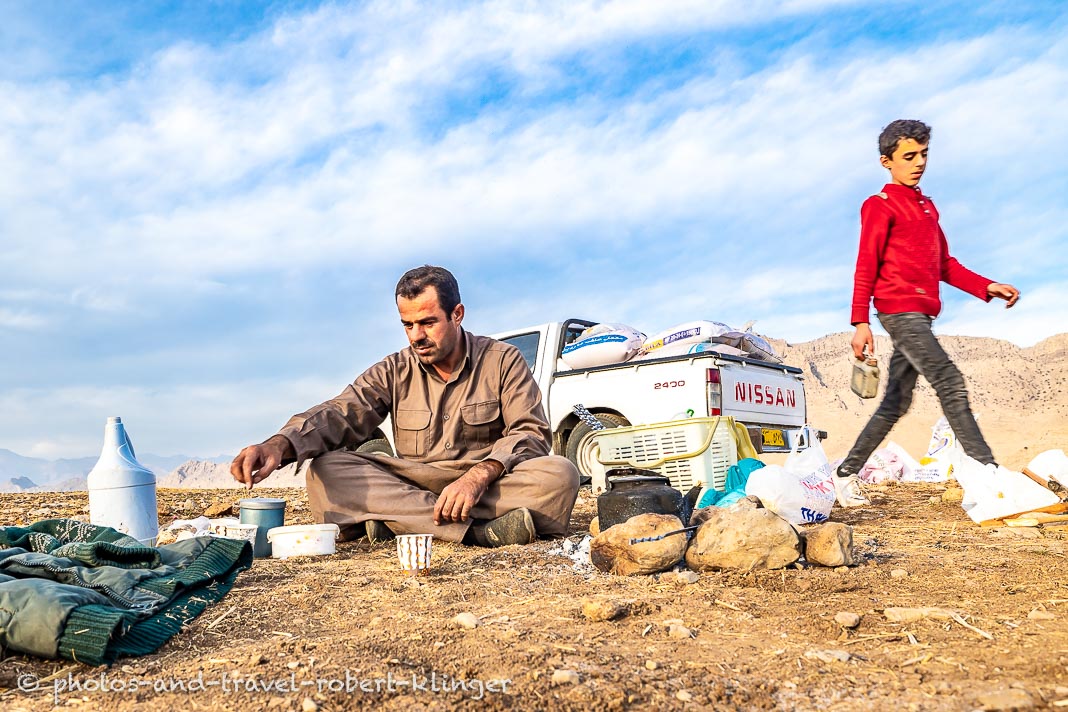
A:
(267, 513)
(632, 492)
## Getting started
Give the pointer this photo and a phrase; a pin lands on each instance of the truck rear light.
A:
(715, 392)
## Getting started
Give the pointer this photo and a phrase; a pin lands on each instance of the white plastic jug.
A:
(122, 491)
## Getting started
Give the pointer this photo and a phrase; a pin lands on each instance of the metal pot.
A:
(631, 492)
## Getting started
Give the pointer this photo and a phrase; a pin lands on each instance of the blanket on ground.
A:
(91, 594)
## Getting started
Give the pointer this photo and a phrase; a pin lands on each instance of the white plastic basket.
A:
(690, 452)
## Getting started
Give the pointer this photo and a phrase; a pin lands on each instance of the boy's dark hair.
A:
(415, 281)
(899, 130)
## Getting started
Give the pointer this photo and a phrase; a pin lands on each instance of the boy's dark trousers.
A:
(917, 353)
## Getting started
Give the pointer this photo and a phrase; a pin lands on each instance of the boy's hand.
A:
(863, 339)
(1004, 291)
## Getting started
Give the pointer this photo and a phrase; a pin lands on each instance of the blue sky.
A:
(204, 207)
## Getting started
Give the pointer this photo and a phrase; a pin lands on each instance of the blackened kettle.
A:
(631, 492)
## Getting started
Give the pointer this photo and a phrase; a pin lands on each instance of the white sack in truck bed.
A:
(691, 332)
(603, 344)
(755, 346)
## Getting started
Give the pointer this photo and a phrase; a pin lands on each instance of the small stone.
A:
(829, 544)
(219, 509)
(1006, 700)
(899, 573)
(293, 665)
(828, 656)
(679, 632)
(257, 659)
(683, 696)
(841, 569)
(595, 526)
(565, 677)
(309, 705)
(1040, 615)
(651, 665)
(466, 620)
(847, 619)
(601, 610)
(910, 615)
(1060, 691)
(680, 578)
(933, 499)
(953, 495)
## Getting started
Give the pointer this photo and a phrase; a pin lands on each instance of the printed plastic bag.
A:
(603, 344)
(692, 332)
(801, 491)
(753, 345)
(883, 465)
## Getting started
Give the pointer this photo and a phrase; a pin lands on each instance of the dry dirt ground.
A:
(761, 640)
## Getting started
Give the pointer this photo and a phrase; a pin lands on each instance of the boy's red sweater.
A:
(904, 255)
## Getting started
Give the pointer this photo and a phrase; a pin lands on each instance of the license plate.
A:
(772, 438)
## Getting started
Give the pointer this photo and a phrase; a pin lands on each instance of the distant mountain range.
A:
(21, 474)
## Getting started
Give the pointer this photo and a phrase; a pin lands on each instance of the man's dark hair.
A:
(899, 130)
(415, 281)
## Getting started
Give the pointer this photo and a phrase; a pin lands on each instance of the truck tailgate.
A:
(760, 394)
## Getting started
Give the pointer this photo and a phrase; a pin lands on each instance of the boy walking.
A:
(902, 259)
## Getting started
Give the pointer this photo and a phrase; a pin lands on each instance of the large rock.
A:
(829, 544)
(743, 538)
(612, 552)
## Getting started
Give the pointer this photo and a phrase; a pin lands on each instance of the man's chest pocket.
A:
(482, 424)
(412, 431)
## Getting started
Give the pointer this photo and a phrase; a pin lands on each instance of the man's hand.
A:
(253, 464)
(1004, 291)
(456, 500)
(861, 339)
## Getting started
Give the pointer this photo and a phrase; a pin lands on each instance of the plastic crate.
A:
(692, 452)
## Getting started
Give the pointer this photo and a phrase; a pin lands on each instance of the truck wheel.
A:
(378, 446)
(574, 441)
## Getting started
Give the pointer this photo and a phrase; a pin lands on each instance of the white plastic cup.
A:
(413, 551)
(247, 532)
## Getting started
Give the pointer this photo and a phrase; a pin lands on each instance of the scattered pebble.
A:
(1040, 615)
(847, 619)
(679, 632)
(910, 615)
(841, 570)
(602, 610)
(257, 659)
(1009, 699)
(309, 705)
(934, 499)
(651, 665)
(465, 620)
(681, 578)
(953, 495)
(683, 696)
(828, 656)
(565, 677)
(293, 665)
(899, 573)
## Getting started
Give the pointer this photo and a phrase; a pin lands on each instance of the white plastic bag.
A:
(801, 491)
(994, 492)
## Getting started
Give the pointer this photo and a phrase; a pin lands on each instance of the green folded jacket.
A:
(91, 594)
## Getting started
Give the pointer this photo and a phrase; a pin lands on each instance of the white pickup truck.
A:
(769, 398)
